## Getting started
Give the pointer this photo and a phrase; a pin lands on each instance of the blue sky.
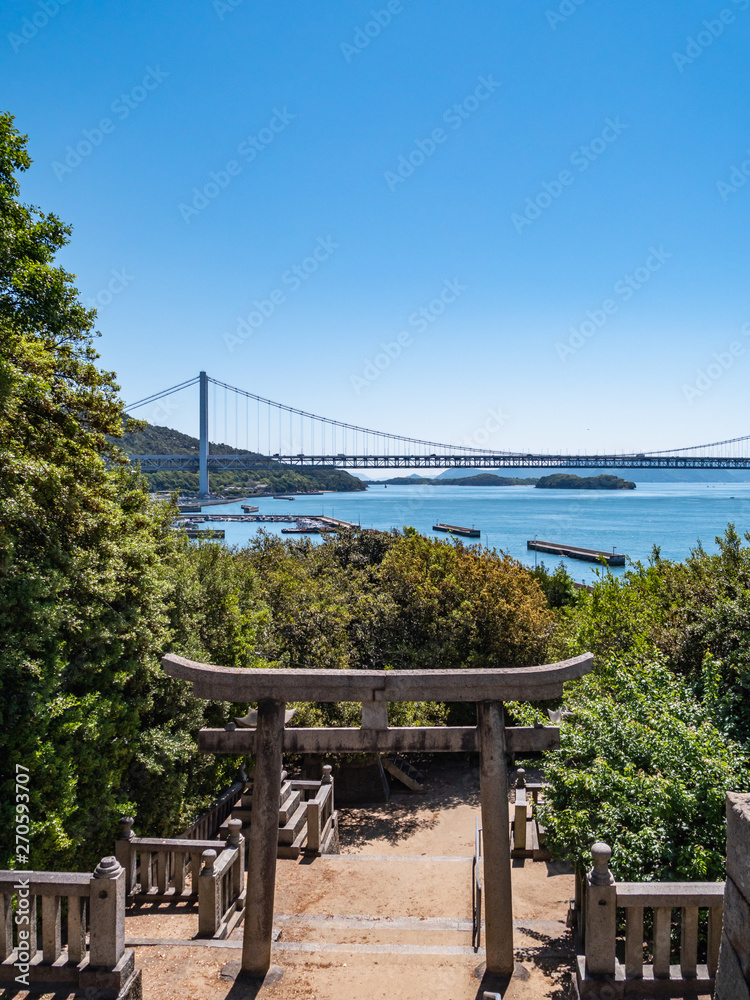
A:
(566, 212)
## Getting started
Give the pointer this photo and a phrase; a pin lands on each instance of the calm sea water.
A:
(673, 516)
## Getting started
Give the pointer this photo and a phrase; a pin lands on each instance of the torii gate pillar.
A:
(263, 839)
(493, 785)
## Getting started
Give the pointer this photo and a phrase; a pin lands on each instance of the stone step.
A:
(290, 831)
(289, 808)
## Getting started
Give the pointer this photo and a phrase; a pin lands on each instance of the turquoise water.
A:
(674, 516)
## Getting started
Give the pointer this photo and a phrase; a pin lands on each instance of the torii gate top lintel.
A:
(240, 684)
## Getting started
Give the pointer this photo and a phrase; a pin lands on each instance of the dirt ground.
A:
(387, 919)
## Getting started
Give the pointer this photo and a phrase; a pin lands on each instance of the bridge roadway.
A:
(250, 462)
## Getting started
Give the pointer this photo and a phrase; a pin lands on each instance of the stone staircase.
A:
(293, 815)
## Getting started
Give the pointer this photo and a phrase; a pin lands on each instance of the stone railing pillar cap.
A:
(108, 867)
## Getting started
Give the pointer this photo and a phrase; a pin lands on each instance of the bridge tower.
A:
(203, 456)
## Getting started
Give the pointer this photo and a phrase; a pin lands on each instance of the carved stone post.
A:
(493, 783)
(235, 839)
(209, 896)
(263, 839)
(107, 914)
(124, 852)
(601, 905)
(110, 966)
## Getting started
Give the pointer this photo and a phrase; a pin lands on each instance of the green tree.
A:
(94, 586)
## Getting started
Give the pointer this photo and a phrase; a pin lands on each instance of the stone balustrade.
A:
(602, 896)
(101, 966)
(210, 872)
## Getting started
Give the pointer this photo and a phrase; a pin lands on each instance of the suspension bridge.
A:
(267, 435)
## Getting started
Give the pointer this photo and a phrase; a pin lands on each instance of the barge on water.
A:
(575, 552)
(454, 529)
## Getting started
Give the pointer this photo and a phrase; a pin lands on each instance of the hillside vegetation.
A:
(152, 440)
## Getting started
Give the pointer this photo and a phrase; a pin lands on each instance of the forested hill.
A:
(153, 440)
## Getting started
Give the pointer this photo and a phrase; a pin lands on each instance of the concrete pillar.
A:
(601, 905)
(493, 784)
(263, 839)
(107, 914)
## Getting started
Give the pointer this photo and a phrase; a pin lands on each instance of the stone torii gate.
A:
(273, 689)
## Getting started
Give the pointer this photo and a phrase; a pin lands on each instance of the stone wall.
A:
(733, 976)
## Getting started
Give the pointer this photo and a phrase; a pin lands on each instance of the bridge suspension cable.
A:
(160, 395)
(698, 447)
(303, 414)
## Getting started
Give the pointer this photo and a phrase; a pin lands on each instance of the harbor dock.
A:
(315, 524)
(575, 552)
(454, 529)
(214, 534)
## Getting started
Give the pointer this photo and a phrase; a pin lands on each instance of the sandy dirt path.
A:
(388, 919)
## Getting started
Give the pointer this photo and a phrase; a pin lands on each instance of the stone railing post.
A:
(209, 897)
(520, 811)
(236, 840)
(124, 852)
(733, 975)
(111, 969)
(107, 914)
(601, 905)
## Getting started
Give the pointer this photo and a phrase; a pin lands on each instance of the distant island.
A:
(480, 479)
(558, 481)
(561, 481)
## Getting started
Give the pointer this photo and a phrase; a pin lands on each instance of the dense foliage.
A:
(661, 728)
